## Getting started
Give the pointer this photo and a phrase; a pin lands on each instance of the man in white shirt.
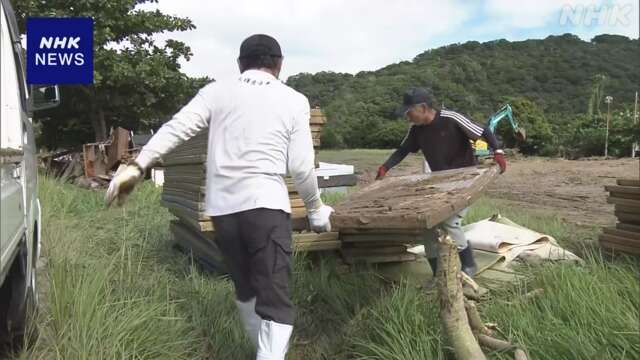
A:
(258, 132)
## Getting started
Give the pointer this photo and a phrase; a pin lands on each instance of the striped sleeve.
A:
(472, 129)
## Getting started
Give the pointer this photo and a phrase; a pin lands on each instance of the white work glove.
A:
(319, 218)
(122, 184)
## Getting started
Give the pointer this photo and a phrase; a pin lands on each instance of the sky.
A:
(362, 35)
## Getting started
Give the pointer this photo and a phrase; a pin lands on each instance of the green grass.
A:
(368, 159)
(114, 288)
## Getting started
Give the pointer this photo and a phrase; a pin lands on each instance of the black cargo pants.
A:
(256, 246)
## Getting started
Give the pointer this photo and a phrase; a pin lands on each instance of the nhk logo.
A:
(53, 58)
(59, 50)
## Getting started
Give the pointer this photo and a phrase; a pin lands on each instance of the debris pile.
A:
(625, 236)
(96, 164)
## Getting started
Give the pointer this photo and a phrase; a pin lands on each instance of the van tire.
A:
(19, 300)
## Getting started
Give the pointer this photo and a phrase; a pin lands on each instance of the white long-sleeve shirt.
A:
(258, 132)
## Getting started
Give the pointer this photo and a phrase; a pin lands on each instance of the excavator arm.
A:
(481, 147)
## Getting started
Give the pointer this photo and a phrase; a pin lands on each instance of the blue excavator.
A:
(481, 147)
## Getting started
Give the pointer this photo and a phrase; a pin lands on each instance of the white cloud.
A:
(586, 18)
(356, 35)
(335, 35)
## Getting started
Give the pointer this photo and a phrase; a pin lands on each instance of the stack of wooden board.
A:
(379, 222)
(625, 236)
(184, 195)
(378, 246)
(316, 122)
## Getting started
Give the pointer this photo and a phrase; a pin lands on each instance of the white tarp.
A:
(503, 236)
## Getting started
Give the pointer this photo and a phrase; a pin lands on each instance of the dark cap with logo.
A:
(259, 45)
(415, 96)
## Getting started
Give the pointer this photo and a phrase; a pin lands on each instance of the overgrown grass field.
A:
(112, 287)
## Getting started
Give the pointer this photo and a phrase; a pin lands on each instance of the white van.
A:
(19, 205)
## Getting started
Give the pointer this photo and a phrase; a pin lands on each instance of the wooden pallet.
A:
(416, 202)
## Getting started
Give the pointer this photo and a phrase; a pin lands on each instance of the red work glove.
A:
(498, 157)
(382, 171)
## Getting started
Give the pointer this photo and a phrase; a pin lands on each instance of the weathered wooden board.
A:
(379, 258)
(395, 238)
(184, 160)
(198, 181)
(624, 202)
(183, 186)
(628, 227)
(629, 182)
(315, 237)
(627, 209)
(628, 235)
(185, 210)
(317, 246)
(626, 217)
(199, 170)
(621, 195)
(186, 195)
(194, 223)
(382, 250)
(202, 247)
(414, 201)
(623, 189)
(193, 205)
(610, 242)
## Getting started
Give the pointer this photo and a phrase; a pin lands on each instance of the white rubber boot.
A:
(250, 320)
(273, 340)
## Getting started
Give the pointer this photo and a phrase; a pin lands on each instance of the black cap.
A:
(415, 96)
(259, 45)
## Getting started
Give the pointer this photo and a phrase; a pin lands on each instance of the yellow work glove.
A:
(122, 184)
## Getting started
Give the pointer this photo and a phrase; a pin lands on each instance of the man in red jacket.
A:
(443, 136)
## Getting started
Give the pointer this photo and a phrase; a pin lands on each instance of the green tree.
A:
(137, 82)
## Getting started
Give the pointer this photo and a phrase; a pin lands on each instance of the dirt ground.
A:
(572, 189)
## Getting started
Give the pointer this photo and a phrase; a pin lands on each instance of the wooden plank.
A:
(629, 182)
(624, 202)
(184, 160)
(627, 209)
(620, 195)
(318, 246)
(605, 242)
(624, 234)
(314, 237)
(414, 201)
(623, 189)
(380, 258)
(174, 185)
(384, 250)
(628, 227)
(191, 169)
(397, 238)
(202, 248)
(189, 196)
(185, 179)
(193, 205)
(626, 217)
(373, 231)
(185, 210)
